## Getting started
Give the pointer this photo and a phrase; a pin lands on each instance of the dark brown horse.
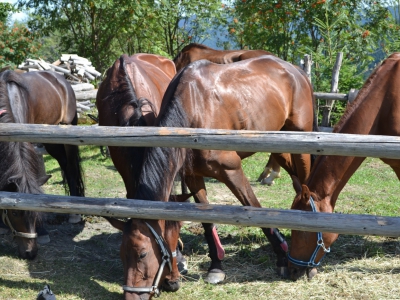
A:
(19, 167)
(264, 93)
(47, 98)
(194, 52)
(376, 110)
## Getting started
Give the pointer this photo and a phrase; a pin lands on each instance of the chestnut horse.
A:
(19, 166)
(47, 98)
(264, 93)
(376, 110)
(194, 52)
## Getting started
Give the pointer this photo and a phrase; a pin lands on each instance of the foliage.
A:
(322, 28)
(16, 41)
(103, 30)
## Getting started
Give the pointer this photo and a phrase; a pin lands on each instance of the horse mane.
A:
(364, 90)
(159, 162)
(19, 164)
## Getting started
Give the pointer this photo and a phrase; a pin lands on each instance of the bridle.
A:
(320, 244)
(7, 222)
(166, 259)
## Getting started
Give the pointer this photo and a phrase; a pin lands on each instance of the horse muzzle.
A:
(296, 272)
(170, 286)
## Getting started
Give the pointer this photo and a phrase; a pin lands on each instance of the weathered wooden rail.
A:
(222, 214)
(235, 140)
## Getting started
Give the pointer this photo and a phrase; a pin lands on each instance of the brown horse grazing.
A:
(264, 93)
(376, 110)
(194, 52)
(19, 170)
(47, 98)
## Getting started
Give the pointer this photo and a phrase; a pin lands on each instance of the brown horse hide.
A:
(264, 93)
(376, 110)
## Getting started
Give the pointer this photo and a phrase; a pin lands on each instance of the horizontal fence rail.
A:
(234, 140)
(91, 94)
(222, 214)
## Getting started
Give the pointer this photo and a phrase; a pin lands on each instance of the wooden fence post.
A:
(326, 113)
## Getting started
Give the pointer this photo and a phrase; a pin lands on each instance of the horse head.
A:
(308, 248)
(148, 257)
(22, 223)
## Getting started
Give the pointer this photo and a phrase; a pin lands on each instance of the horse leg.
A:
(233, 177)
(216, 252)
(68, 158)
(298, 165)
(271, 171)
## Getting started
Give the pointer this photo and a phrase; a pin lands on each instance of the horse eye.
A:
(14, 213)
(143, 255)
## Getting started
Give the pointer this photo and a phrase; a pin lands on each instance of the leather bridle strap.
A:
(320, 245)
(7, 222)
(166, 258)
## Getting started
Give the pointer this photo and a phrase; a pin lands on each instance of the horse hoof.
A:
(215, 276)
(74, 218)
(283, 272)
(267, 182)
(182, 267)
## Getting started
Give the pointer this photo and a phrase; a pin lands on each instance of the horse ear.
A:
(305, 194)
(118, 224)
(180, 198)
(43, 179)
(296, 184)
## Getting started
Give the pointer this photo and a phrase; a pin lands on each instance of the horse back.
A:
(50, 98)
(262, 93)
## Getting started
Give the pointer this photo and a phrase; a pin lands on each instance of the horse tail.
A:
(127, 96)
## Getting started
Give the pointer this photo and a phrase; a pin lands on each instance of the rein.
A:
(6, 221)
(166, 259)
(320, 244)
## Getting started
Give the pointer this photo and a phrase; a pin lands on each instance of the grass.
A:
(82, 261)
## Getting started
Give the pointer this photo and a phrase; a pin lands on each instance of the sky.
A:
(18, 16)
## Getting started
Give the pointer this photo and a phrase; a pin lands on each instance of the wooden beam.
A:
(86, 95)
(320, 143)
(222, 214)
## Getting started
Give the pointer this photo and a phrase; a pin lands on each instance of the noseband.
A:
(320, 244)
(166, 259)
(7, 222)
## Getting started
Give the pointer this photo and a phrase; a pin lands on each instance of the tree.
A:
(102, 30)
(16, 41)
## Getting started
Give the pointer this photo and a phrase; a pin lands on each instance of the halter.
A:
(7, 222)
(320, 244)
(166, 258)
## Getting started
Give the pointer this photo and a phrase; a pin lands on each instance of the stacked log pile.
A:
(77, 70)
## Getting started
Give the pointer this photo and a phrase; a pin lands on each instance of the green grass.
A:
(82, 261)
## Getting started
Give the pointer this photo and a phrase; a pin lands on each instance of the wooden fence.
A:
(222, 214)
(258, 141)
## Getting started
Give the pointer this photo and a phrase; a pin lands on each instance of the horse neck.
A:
(160, 167)
(330, 174)
(372, 106)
